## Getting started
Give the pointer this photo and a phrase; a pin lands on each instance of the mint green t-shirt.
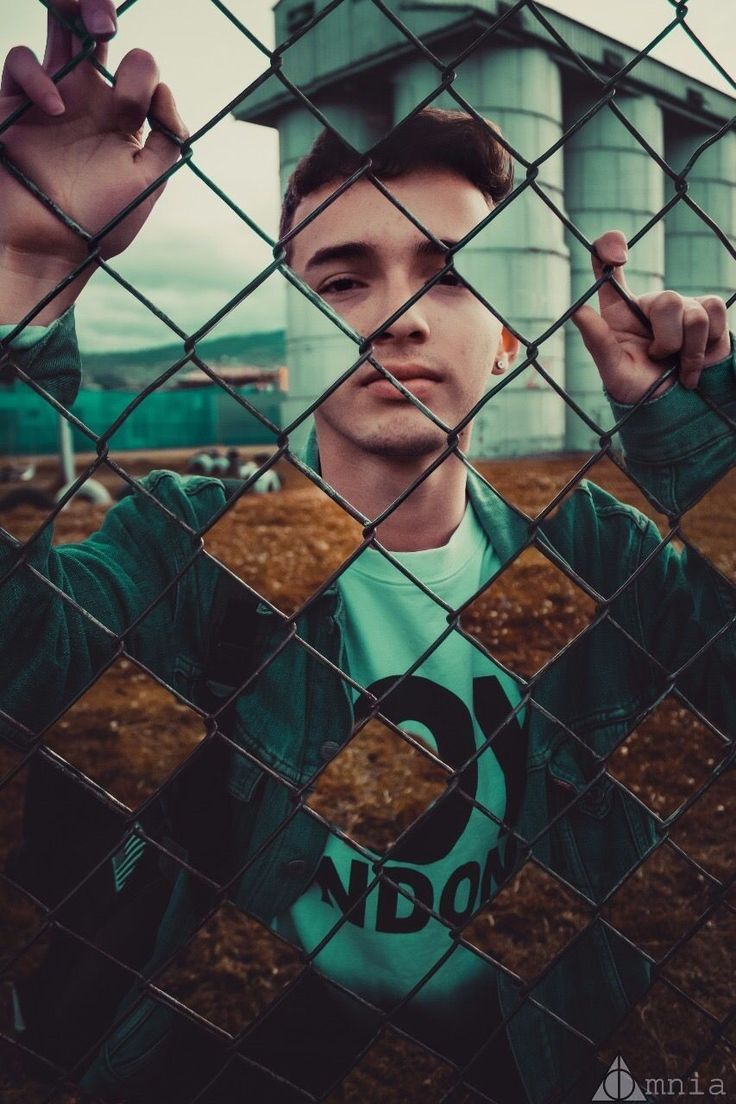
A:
(454, 702)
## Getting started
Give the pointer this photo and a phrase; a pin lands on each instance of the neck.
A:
(427, 518)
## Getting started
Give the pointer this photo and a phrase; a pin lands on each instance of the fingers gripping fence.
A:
(239, 1052)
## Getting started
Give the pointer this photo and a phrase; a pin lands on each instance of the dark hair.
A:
(433, 138)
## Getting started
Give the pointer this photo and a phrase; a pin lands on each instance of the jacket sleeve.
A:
(48, 354)
(677, 447)
(137, 584)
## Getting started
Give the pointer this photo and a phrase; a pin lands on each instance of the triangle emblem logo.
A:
(618, 1084)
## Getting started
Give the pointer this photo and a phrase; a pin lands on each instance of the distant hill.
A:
(140, 366)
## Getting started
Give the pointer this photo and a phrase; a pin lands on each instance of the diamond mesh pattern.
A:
(676, 962)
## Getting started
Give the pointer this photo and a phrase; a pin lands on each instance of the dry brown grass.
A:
(128, 734)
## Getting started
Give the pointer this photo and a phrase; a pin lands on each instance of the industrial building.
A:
(365, 75)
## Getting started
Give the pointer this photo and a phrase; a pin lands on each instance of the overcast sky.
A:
(194, 253)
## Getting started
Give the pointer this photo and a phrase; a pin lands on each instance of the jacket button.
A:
(329, 748)
(294, 867)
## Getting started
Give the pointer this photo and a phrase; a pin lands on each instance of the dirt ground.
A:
(128, 734)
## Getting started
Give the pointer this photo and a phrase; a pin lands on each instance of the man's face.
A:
(366, 259)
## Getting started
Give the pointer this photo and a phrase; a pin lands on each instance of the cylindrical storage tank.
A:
(696, 261)
(519, 262)
(611, 183)
(298, 128)
(317, 352)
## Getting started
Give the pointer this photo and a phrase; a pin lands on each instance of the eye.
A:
(339, 284)
(450, 279)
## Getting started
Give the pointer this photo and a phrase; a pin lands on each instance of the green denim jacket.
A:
(140, 577)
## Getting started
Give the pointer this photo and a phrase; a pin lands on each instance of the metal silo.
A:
(366, 75)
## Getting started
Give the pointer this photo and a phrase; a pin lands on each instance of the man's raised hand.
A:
(82, 145)
(694, 331)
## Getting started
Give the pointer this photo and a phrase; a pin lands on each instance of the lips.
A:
(404, 373)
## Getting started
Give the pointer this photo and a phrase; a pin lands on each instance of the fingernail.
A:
(619, 256)
(101, 25)
(53, 104)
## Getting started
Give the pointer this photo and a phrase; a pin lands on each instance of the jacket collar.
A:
(507, 529)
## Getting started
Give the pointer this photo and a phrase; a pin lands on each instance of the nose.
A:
(411, 325)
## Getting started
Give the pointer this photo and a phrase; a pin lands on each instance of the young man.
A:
(527, 763)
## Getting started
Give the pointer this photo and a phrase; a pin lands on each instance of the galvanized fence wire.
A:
(30, 745)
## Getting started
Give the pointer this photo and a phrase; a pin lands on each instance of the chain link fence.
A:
(137, 829)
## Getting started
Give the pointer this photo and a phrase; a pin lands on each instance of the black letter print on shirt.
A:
(334, 892)
(418, 699)
(447, 718)
(387, 911)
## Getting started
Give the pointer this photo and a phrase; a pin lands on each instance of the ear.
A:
(506, 352)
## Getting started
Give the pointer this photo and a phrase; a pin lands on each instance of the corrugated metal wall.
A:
(168, 419)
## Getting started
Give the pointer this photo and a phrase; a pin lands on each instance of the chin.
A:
(406, 446)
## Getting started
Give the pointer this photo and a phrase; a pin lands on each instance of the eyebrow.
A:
(361, 250)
